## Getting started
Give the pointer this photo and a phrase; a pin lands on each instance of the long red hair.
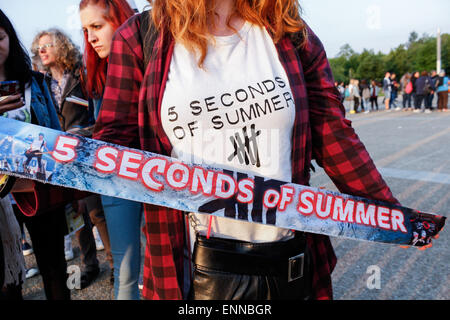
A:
(188, 20)
(116, 13)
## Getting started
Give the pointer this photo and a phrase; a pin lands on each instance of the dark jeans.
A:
(374, 101)
(429, 101)
(47, 232)
(406, 100)
(419, 100)
(30, 155)
(356, 105)
(363, 105)
(392, 100)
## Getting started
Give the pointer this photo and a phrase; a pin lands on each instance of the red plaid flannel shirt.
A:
(130, 116)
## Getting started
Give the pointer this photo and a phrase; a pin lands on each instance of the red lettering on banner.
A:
(64, 150)
(343, 212)
(306, 202)
(365, 216)
(153, 165)
(221, 179)
(267, 202)
(105, 159)
(171, 177)
(287, 196)
(245, 187)
(320, 211)
(202, 181)
(129, 165)
(397, 221)
(178, 176)
(383, 218)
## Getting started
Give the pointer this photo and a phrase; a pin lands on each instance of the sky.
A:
(380, 25)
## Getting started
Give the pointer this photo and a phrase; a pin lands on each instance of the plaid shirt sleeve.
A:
(336, 146)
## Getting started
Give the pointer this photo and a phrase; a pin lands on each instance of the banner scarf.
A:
(77, 162)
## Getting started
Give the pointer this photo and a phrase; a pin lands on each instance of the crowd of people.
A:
(123, 88)
(417, 90)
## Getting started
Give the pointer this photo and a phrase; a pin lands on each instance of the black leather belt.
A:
(284, 259)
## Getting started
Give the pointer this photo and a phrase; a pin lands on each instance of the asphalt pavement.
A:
(412, 151)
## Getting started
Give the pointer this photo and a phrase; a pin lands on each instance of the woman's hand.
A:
(9, 103)
(425, 247)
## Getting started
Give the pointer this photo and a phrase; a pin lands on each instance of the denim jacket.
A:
(42, 103)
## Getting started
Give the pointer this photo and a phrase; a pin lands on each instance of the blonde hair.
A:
(188, 20)
(68, 56)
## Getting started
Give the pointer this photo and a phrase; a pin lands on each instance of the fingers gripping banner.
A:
(72, 161)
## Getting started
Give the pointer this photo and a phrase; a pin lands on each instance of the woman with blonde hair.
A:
(206, 63)
(62, 61)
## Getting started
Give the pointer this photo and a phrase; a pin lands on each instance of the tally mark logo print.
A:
(246, 149)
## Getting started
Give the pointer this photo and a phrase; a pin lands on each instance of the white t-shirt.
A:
(236, 113)
(37, 145)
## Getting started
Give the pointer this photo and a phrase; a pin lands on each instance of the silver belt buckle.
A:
(295, 267)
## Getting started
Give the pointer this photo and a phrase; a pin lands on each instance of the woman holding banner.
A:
(47, 229)
(184, 80)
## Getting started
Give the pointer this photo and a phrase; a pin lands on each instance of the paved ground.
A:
(412, 150)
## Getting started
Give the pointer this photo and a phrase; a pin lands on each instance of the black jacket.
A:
(71, 115)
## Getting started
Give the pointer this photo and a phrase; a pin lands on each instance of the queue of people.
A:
(418, 91)
(124, 88)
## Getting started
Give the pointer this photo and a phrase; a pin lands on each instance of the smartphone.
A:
(9, 88)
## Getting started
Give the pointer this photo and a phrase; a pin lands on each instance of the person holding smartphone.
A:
(10, 97)
(46, 230)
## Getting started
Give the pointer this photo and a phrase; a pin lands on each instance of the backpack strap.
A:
(149, 34)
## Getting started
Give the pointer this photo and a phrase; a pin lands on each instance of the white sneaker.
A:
(31, 272)
(68, 250)
(27, 249)
(398, 109)
(428, 111)
(98, 240)
(416, 110)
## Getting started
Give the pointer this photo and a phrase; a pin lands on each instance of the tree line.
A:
(418, 54)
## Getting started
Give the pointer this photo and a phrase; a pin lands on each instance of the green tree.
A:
(371, 66)
(417, 54)
(398, 61)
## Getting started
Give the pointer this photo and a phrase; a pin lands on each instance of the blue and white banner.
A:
(72, 161)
